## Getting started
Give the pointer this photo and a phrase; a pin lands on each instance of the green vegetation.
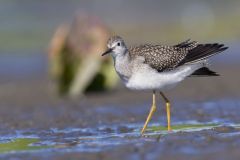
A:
(182, 127)
(20, 144)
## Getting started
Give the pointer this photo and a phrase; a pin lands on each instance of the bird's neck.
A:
(122, 65)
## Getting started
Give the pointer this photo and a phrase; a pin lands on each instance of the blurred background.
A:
(51, 50)
(28, 28)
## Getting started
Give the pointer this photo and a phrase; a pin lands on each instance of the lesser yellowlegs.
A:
(160, 67)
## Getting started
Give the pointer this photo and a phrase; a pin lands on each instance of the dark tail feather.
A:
(204, 71)
(185, 44)
(203, 51)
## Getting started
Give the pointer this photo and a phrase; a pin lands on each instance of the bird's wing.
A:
(202, 52)
(162, 57)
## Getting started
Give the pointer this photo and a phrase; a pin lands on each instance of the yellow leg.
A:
(152, 110)
(168, 110)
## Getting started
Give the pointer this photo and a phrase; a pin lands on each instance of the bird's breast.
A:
(123, 72)
(123, 68)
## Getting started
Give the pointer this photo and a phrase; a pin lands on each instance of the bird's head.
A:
(116, 47)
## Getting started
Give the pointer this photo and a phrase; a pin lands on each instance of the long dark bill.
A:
(107, 52)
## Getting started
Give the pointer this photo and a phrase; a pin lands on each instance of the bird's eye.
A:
(119, 44)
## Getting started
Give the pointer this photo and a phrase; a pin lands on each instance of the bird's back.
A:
(162, 57)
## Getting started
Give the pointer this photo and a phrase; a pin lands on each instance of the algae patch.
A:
(21, 144)
(183, 127)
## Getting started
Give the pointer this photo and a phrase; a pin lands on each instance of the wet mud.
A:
(36, 124)
(104, 126)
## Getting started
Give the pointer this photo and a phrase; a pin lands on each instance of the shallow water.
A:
(107, 138)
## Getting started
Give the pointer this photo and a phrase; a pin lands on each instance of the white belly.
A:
(146, 78)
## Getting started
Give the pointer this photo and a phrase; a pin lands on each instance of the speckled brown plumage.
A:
(165, 58)
(162, 57)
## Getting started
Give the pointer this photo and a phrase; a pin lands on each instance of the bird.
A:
(157, 68)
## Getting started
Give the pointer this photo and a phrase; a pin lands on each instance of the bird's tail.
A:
(204, 72)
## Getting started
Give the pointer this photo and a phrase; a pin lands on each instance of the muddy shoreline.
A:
(30, 108)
